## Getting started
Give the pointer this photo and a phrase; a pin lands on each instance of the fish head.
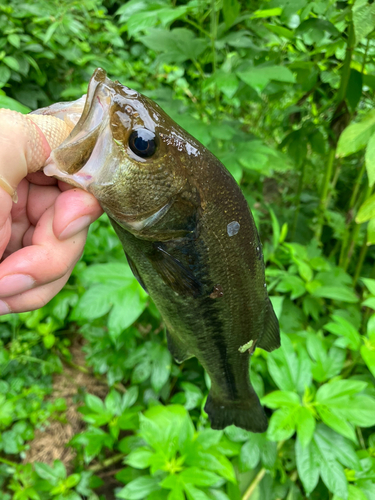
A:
(125, 151)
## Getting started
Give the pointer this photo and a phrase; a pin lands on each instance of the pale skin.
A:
(42, 236)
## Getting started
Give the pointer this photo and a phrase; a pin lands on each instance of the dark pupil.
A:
(142, 143)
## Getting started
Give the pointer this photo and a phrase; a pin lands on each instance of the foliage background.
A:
(282, 91)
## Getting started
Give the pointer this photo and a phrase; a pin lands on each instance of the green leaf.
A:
(332, 473)
(345, 329)
(343, 294)
(308, 461)
(12, 63)
(370, 284)
(261, 14)
(259, 77)
(250, 454)
(371, 232)
(194, 493)
(94, 403)
(198, 477)
(14, 40)
(280, 399)
(139, 488)
(94, 303)
(368, 356)
(363, 20)
(139, 458)
(231, 9)
(366, 210)
(161, 368)
(52, 475)
(282, 424)
(370, 160)
(5, 74)
(356, 135)
(305, 423)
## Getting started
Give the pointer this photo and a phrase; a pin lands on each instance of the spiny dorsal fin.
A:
(270, 339)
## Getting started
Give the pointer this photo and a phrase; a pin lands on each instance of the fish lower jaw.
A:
(80, 179)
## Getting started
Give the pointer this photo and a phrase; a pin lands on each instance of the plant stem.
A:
(346, 67)
(254, 484)
(361, 259)
(298, 198)
(352, 202)
(8, 462)
(106, 463)
(323, 196)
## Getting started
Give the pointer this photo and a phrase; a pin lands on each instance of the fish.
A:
(187, 233)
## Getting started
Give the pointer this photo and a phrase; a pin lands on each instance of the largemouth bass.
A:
(188, 235)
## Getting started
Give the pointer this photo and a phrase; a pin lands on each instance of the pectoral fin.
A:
(174, 274)
(178, 350)
(270, 339)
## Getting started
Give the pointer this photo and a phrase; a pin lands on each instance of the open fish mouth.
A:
(80, 159)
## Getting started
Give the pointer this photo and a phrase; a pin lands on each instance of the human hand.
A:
(42, 236)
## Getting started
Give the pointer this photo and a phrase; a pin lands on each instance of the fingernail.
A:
(15, 283)
(4, 309)
(75, 227)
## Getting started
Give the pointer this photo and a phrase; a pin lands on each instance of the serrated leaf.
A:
(282, 424)
(280, 399)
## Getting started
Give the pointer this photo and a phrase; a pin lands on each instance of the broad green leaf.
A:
(308, 462)
(194, 493)
(161, 368)
(12, 63)
(336, 423)
(339, 388)
(139, 458)
(305, 423)
(250, 454)
(9, 103)
(280, 399)
(139, 488)
(259, 77)
(94, 403)
(366, 210)
(231, 9)
(356, 135)
(343, 294)
(370, 160)
(345, 329)
(52, 475)
(370, 284)
(363, 20)
(94, 303)
(368, 354)
(198, 477)
(282, 424)
(332, 473)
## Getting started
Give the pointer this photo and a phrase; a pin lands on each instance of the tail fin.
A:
(247, 414)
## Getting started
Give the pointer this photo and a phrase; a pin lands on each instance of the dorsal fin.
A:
(270, 339)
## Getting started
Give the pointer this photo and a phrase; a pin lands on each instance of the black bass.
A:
(188, 235)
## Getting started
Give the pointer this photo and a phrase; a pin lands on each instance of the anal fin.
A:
(178, 350)
(270, 340)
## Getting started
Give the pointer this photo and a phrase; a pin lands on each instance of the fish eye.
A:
(142, 142)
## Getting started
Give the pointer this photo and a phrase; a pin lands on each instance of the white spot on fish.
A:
(246, 346)
(233, 228)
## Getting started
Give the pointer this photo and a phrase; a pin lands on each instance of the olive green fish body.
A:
(188, 234)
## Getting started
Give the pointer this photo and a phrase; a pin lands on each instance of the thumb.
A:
(25, 144)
